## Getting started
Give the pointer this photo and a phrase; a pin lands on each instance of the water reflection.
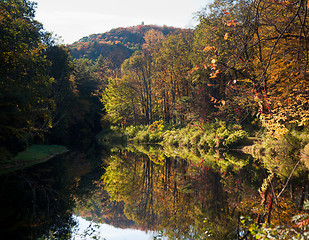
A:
(149, 191)
(88, 230)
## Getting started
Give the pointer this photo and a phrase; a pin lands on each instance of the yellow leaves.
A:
(226, 36)
(213, 64)
(212, 99)
(207, 48)
(234, 22)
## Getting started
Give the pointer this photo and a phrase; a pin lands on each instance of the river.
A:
(145, 192)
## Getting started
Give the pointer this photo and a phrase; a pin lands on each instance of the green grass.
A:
(33, 155)
(39, 152)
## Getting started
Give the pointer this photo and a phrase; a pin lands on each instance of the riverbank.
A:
(33, 155)
(219, 135)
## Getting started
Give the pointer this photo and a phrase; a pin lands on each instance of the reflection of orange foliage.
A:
(302, 224)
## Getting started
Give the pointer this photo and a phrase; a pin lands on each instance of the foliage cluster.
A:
(281, 155)
(215, 135)
(45, 96)
(298, 231)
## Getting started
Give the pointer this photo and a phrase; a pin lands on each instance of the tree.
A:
(172, 66)
(121, 102)
(260, 48)
(25, 106)
(138, 70)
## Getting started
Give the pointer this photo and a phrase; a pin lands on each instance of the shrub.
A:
(236, 138)
(142, 136)
(155, 137)
(195, 138)
(211, 140)
(131, 131)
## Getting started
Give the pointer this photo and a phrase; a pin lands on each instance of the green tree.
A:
(25, 106)
(121, 102)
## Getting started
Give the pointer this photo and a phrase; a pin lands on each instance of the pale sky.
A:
(72, 19)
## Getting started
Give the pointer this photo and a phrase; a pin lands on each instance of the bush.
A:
(142, 137)
(194, 135)
(211, 140)
(155, 137)
(131, 131)
(236, 138)
(195, 138)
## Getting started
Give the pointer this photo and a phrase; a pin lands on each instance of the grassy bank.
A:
(33, 155)
(215, 135)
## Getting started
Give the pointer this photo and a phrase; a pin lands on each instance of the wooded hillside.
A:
(116, 45)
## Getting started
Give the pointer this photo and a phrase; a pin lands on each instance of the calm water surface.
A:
(140, 193)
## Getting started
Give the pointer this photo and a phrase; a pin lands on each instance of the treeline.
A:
(45, 96)
(246, 61)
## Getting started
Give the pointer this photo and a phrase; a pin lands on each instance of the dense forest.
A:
(245, 63)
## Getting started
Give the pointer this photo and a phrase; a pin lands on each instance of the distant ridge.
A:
(117, 44)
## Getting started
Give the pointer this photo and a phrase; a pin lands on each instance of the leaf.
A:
(235, 23)
(207, 48)
(226, 36)
(214, 75)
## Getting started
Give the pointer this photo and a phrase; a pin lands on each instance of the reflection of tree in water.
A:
(185, 198)
(34, 202)
(175, 196)
(38, 201)
(93, 202)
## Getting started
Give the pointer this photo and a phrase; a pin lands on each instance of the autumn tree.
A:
(137, 69)
(172, 83)
(259, 47)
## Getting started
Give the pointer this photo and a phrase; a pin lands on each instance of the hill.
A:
(117, 45)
